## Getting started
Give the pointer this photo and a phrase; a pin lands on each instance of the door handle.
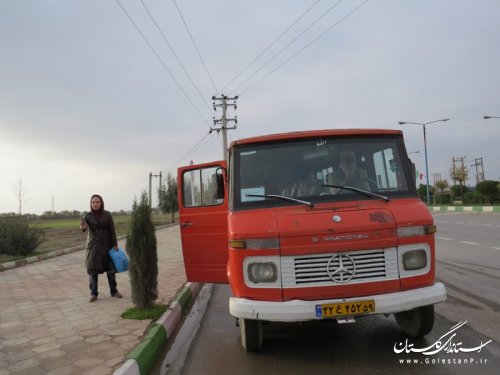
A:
(186, 224)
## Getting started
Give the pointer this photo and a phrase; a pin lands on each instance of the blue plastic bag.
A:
(119, 259)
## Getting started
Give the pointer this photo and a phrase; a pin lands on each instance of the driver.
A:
(348, 174)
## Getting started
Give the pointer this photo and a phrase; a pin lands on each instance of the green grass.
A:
(64, 233)
(154, 313)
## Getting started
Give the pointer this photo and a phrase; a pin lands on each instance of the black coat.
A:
(101, 238)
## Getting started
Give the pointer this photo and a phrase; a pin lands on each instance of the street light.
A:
(424, 124)
(488, 117)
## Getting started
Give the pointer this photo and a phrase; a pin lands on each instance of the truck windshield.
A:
(318, 170)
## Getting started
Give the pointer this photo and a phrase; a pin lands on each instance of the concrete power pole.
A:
(479, 174)
(151, 175)
(224, 120)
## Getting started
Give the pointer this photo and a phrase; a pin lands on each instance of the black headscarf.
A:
(97, 213)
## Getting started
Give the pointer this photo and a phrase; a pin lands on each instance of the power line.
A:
(290, 43)
(204, 140)
(270, 45)
(175, 54)
(307, 45)
(159, 59)
(195, 46)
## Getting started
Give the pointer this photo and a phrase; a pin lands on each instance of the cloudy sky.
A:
(93, 97)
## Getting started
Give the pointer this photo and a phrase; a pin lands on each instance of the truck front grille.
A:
(312, 270)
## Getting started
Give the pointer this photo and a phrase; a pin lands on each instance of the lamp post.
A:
(424, 124)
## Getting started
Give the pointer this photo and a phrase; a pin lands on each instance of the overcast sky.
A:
(91, 103)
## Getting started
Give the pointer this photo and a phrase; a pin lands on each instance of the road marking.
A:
(486, 225)
(441, 221)
(496, 248)
(460, 222)
(445, 238)
(469, 243)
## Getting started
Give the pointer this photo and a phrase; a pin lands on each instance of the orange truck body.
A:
(296, 251)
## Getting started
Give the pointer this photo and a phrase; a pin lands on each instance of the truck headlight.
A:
(415, 259)
(416, 231)
(262, 272)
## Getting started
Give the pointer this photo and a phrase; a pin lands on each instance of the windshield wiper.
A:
(359, 191)
(288, 199)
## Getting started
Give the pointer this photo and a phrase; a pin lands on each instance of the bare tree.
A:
(20, 193)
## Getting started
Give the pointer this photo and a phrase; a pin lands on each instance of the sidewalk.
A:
(47, 325)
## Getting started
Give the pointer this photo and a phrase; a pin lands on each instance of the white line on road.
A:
(445, 238)
(496, 248)
(469, 243)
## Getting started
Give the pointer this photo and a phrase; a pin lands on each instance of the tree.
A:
(422, 191)
(20, 193)
(167, 196)
(460, 174)
(441, 185)
(488, 189)
(142, 252)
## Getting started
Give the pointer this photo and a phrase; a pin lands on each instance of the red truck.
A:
(312, 225)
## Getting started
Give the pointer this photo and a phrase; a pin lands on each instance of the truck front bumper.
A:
(300, 310)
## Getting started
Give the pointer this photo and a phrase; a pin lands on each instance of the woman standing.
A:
(100, 239)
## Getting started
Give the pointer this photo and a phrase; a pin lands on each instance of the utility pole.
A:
(479, 174)
(151, 175)
(224, 120)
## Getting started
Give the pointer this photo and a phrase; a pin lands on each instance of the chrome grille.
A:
(311, 270)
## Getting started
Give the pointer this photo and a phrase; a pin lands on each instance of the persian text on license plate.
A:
(328, 310)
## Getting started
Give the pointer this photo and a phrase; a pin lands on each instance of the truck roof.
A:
(314, 134)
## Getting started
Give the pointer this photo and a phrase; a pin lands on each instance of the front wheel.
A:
(417, 322)
(251, 334)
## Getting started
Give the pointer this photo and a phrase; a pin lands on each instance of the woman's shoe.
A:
(117, 295)
(92, 298)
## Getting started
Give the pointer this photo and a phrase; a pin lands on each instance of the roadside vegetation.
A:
(55, 232)
(485, 193)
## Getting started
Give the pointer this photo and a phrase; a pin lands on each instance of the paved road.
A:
(468, 262)
(47, 325)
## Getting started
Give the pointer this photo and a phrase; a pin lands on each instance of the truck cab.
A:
(312, 225)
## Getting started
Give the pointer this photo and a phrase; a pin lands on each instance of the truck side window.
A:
(200, 187)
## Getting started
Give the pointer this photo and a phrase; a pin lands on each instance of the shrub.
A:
(488, 189)
(141, 249)
(443, 199)
(459, 191)
(17, 237)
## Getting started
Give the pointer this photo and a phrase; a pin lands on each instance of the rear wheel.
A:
(417, 322)
(251, 334)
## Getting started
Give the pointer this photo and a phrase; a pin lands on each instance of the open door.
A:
(203, 213)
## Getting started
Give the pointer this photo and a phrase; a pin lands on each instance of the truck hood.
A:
(340, 230)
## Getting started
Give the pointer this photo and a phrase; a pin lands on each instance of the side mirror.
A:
(219, 176)
(413, 171)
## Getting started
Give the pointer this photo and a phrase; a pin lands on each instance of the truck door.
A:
(203, 210)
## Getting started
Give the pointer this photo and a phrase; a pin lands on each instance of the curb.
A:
(145, 355)
(465, 208)
(38, 258)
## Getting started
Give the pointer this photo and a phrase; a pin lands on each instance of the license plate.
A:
(329, 310)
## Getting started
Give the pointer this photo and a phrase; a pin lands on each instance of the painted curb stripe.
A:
(128, 368)
(148, 351)
(184, 297)
(146, 354)
(171, 317)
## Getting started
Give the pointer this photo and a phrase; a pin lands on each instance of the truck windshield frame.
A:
(297, 169)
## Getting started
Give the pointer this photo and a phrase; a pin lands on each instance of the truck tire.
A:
(251, 334)
(417, 322)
